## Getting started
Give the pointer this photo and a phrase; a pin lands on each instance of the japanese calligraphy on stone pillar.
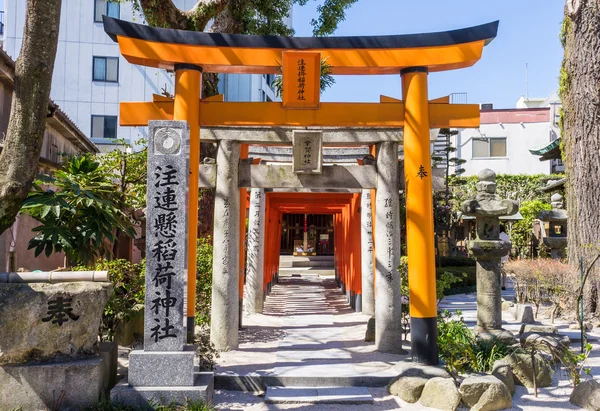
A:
(389, 207)
(166, 239)
(308, 149)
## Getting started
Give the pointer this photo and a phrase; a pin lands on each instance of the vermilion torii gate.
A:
(190, 54)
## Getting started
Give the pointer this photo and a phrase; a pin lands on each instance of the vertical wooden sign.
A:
(301, 79)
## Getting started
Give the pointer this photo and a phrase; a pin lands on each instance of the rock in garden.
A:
(575, 326)
(556, 343)
(501, 370)
(485, 393)
(522, 369)
(409, 384)
(537, 328)
(39, 320)
(440, 393)
(370, 334)
(525, 314)
(586, 395)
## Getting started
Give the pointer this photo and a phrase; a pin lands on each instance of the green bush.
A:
(204, 265)
(467, 275)
(127, 296)
(461, 351)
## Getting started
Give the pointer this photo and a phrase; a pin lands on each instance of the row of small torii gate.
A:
(366, 264)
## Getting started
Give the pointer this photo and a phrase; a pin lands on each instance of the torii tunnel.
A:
(381, 126)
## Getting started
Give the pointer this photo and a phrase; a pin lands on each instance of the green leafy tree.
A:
(128, 169)
(78, 214)
(522, 231)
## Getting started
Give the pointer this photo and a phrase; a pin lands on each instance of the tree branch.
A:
(164, 13)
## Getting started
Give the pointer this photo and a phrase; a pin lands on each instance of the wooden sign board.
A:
(301, 79)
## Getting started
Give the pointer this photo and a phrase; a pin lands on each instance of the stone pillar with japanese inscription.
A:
(255, 252)
(366, 217)
(388, 308)
(166, 361)
(225, 287)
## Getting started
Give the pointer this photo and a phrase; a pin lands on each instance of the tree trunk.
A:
(580, 94)
(29, 108)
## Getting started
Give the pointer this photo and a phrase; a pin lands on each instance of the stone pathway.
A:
(310, 338)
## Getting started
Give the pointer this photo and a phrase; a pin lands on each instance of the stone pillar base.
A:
(162, 368)
(502, 335)
(202, 390)
(38, 386)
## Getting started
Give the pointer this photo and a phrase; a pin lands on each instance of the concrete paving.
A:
(308, 338)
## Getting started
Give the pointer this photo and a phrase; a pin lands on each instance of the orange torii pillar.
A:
(186, 106)
(225, 312)
(419, 217)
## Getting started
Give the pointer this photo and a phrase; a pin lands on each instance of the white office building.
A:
(91, 78)
(506, 136)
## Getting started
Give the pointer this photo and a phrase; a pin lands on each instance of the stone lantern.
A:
(556, 236)
(488, 249)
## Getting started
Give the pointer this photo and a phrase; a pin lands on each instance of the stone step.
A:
(262, 380)
(306, 271)
(318, 395)
(316, 263)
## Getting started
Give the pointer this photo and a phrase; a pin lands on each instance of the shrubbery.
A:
(461, 351)
(545, 280)
(127, 297)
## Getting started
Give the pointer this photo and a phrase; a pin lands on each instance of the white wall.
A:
(519, 139)
(80, 38)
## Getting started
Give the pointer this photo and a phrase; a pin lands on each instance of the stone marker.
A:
(255, 255)
(166, 361)
(225, 286)
(488, 249)
(370, 333)
(388, 304)
(366, 234)
(49, 345)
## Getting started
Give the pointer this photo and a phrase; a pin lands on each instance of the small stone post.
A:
(225, 288)
(488, 249)
(366, 217)
(388, 304)
(166, 364)
(255, 253)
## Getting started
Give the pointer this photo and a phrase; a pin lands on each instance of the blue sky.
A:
(528, 33)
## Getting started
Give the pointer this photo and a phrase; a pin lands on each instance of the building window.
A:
(104, 126)
(484, 147)
(106, 8)
(106, 69)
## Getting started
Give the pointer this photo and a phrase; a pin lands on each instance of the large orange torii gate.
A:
(411, 56)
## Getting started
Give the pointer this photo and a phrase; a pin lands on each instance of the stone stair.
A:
(318, 395)
(322, 266)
